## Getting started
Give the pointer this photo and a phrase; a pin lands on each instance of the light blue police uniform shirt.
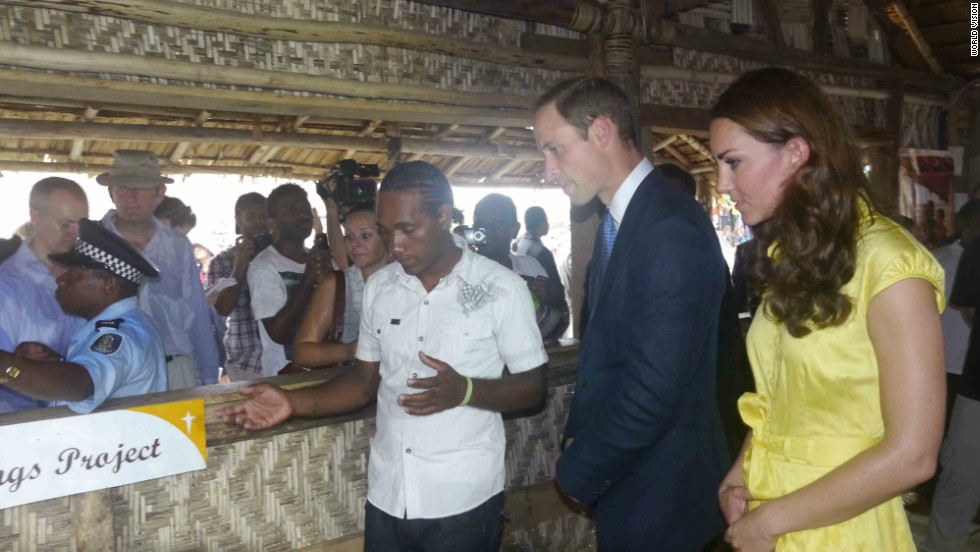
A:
(29, 312)
(122, 352)
(175, 300)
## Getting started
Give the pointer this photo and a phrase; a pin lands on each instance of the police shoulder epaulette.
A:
(114, 324)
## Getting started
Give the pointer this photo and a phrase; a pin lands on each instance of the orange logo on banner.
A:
(187, 416)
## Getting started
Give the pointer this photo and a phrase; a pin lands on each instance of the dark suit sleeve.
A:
(675, 285)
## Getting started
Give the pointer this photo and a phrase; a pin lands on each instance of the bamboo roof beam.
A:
(676, 153)
(61, 130)
(496, 133)
(181, 149)
(78, 145)
(454, 167)
(697, 145)
(899, 14)
(186, 15)
(444, 133)
(365, 131)
(270, 152)
(663, 143)
(86, 89)
(61, 59)
(505, 169)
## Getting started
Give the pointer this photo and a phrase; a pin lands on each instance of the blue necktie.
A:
(608, 238)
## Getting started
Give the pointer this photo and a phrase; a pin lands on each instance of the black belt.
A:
(170, 357)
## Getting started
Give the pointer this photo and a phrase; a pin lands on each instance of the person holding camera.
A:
(329, 331)
(348, 184)
(242, 341)
(283, 277)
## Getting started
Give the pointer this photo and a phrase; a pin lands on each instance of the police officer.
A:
(118, 352)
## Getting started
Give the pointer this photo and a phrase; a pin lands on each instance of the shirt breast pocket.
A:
(466, 342)
(391, 342)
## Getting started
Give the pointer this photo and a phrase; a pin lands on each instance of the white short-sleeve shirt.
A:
(477, 319)
(271, 278)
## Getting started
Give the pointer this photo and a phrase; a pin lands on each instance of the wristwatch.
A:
(10, 373)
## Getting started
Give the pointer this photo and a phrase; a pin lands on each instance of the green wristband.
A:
(469, 392)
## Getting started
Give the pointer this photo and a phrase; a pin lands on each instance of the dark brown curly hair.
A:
(815, 224)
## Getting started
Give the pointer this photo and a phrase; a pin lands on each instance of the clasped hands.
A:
(747, 531)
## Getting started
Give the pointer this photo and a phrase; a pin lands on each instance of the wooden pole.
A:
(214, 20)
(60, 130)
(37, 84)
(78, 145)
(60, 59)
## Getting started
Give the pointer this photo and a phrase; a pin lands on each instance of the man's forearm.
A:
(228, 298)
(290, 316)
(338, 247)
(521, 391)
(348, 392)
(49, 380)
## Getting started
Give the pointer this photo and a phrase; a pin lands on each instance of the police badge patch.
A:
(107, 344)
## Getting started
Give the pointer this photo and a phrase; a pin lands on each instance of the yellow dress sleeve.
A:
(894, 255)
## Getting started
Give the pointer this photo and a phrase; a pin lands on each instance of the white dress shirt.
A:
(175, 300)
(477, 319)
(30, 312)
(621, 199)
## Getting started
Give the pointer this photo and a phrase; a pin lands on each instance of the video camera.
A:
(352, 182)
(473, 236)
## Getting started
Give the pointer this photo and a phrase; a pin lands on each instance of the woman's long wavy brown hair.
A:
(815, 224)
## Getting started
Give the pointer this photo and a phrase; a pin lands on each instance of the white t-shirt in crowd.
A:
(956, 333)
(271, 279)
(526, 265)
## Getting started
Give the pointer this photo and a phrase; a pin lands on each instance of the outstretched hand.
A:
(267, 406)
(445, 390)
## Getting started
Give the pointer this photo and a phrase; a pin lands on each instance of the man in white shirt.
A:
(29, 311)
(437, 329)
(283, 277)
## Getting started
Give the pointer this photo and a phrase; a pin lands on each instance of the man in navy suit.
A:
(643, 443)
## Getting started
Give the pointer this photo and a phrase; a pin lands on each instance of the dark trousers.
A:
(477, 530)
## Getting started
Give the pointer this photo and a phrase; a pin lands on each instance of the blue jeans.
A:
(477, 530)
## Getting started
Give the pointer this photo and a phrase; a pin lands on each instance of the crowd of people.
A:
(842, 413)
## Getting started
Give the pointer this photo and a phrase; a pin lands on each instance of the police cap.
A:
(98, 247)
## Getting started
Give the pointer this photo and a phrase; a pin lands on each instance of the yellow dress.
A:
(817, 403)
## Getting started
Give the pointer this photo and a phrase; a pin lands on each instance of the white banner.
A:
(66, 456)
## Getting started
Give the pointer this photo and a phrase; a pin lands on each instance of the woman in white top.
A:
(368, 251)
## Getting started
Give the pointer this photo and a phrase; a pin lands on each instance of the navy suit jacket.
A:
(648, 452)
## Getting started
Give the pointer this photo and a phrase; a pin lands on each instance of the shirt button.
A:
(379, 330)
(420, 338)
(415, 374)
(426, 302)
(408, 451)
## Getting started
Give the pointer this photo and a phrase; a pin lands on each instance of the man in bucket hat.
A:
(118, 352)
(175, 300)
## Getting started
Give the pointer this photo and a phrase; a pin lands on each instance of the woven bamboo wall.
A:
(288, 491)
(356, 62)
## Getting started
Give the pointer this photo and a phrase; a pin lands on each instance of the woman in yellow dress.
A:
(846, 348)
